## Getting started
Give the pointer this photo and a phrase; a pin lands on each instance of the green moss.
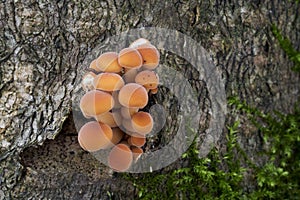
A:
(288, 48)
(221, 175)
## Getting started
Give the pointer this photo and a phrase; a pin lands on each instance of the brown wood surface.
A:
(44, 43)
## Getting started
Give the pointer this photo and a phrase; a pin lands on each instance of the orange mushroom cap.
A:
(139, 42)
(120, 158)
(136, 141)
(154, 91)
(95, 103)
(133, 95)
(108, 62)
(142, 122)
(108, 82)
(150, 56)
(148, 79)
(130, 58)
(94, 136)
(93, 65)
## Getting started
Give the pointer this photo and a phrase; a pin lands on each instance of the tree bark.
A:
(43, 46)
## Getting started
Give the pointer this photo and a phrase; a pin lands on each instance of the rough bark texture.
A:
(43, 43)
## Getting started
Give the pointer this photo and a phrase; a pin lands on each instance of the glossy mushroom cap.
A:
(136, 141)
(142, 122)
(120, 158)
(139, 42)
(133, 95)
(108, 62)
(148, 79)
(130, 58)
(95, 103)
(150, 56)
(94, 136)
(108, 82)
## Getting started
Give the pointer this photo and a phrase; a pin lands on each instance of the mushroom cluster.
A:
(117, 86)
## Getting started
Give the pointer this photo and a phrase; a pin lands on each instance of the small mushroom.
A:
(120, 158)
(130, 58)
(87, 81)
(137, 152)
(108, 82)
(142, 122)
(154, 91)
(107, 118)
(136, 141)
(95, 103)
(148, 79)
(139, 42)
(108, 62)
(150, 56)
(94, 136)
(133, 95)
(128, 112)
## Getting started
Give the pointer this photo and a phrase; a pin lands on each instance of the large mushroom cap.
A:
(133, 95)
(108, 62)
(95, 103)
(150, 56)
(147, 78)
(108, 82)
(142, 122)
(130, 58)
(94, 136)
(120, 158)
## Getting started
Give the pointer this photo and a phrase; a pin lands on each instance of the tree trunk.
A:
(43, 47)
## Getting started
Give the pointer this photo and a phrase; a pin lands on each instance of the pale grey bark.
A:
(43, 44)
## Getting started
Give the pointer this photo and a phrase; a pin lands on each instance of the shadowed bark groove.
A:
(43, 43)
